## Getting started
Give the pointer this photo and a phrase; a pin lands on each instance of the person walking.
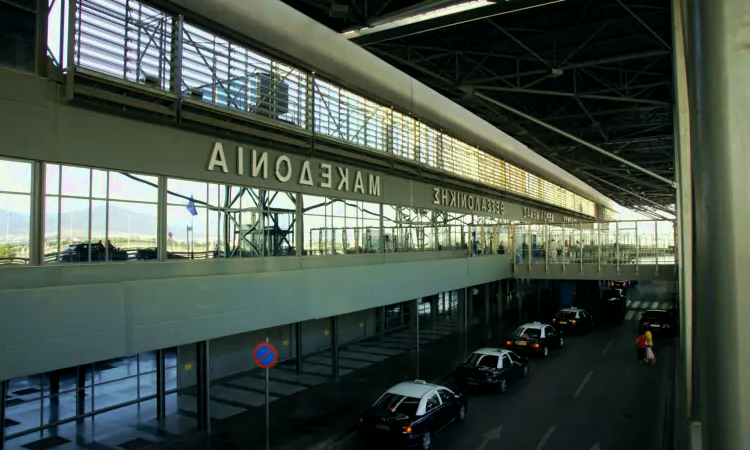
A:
(641, 343)
(650, 356)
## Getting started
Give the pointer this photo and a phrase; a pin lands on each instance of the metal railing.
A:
(130, 41)
(614, 243)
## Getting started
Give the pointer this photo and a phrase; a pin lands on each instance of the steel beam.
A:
(576, 139)
(568, 94)
(645, 25)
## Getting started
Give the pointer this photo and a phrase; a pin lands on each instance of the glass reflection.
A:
(97, 215)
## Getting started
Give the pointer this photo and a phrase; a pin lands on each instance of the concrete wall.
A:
(62, 324)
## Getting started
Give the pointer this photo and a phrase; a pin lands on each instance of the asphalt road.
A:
(590, 395)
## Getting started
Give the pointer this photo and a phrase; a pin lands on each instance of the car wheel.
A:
(426, 440)
(461, 413)
(525, 370)
(545, 351)
(503, 386)
(562, 342)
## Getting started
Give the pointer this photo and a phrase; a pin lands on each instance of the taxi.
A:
(410, 413)
(535, 337)
(574, 319)
(491, 368)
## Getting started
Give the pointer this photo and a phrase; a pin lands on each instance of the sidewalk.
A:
(320, 415)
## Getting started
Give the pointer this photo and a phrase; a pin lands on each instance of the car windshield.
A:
(398, 404)
(611, 293)
(566, 315)
(482, 360)
(527, 333)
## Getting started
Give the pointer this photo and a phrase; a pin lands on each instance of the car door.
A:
(433, 412)
(551, 336)
(448, 405)
(507, 367)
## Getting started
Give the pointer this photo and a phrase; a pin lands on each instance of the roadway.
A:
(591, 395)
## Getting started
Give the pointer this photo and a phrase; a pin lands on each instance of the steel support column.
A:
(335, 346)
(81, 389)
(500, 297)
(381, 315)
(36, 249)
(462, 310)
(487, 287)
(204, 385)
(161, 385)
(298, 345)
(717, 76)
(161, 221)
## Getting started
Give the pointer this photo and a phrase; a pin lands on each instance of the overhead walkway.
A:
(642, 250)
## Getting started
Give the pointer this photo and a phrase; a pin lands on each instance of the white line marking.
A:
(546, 437)
(606, 347)
(583, 384)
(629, 315)
(655, 305)
(596, 446)
(342, 441)
(629, 303)
(636, 304)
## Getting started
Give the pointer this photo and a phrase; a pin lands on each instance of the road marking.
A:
(629, 315)
(341, 441)
(636, 305)
(583, 384)
(655, 305)
(493, 435)
(629, 303)
(596, 446)
(546, 437)
(606, 347)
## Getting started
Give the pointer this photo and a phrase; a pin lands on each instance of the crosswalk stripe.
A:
(629, 303)
(636, 304)
(629, 315)
(655, 305)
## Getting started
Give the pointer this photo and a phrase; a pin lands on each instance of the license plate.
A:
(563, 323)
(471, 383)
(655, 326)
(383, 427)
(521, 343)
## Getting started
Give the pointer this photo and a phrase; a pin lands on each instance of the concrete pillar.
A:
(204, 386)
(413, 319)
(470, 300)
(54, 399)
(434, 308)
(718, 81)
(81, 390)
(487, 288)
(538, 284)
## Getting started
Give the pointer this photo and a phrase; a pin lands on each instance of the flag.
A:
(191, 207)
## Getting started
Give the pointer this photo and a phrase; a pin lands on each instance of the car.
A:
(612, 304)
(80, 252)
(410, 413)
(622, 284)
(574, 319)
(535, 337)
(491, 368)
(659, 322)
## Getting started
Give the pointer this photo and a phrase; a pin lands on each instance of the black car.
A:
(622, 285)
(659, 322)
(612, 304)
(410, 413)
(80, 253)
(573, 319)
(535, 337)
(491, 367)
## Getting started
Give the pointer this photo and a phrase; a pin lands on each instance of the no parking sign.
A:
(265, 355)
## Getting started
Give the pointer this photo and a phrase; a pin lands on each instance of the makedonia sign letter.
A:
(304, 173)
(455, 199)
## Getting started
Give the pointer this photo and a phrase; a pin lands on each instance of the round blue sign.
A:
(265, 355)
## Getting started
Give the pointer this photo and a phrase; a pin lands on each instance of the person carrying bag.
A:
(650, 357)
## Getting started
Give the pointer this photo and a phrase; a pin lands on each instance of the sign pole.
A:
(268, 432)
(265, 356)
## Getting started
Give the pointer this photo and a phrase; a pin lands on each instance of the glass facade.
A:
(133, 42)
